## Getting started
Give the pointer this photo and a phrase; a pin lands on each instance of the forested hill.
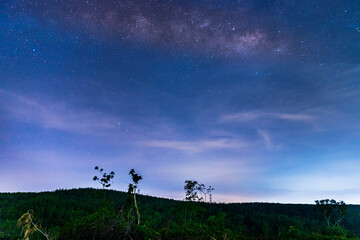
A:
(105, 214)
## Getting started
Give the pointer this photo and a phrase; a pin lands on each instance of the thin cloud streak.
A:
(256, 115)
(196, 146)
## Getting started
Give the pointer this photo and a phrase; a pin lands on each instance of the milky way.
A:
(226, 29)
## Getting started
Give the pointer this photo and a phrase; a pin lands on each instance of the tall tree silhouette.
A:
(132, 190)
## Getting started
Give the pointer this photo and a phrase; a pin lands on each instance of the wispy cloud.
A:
(197, 146)
(255, 115)
(294, 117)
(62, 117)
(56, 115)
(266, 137)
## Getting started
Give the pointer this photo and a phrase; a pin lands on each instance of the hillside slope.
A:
(99, 214)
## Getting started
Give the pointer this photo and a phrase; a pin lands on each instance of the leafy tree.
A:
(193, 189)
(333, 211)
(191, 193)
(105, 178)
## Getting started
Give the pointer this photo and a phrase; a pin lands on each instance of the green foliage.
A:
(8, 229)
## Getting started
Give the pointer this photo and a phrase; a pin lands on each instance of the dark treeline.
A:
(84, 214)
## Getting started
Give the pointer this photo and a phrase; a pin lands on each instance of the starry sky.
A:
(259, 99)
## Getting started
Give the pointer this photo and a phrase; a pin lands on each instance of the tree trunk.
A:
(137, 209)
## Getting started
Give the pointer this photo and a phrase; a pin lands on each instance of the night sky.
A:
(260, 99)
